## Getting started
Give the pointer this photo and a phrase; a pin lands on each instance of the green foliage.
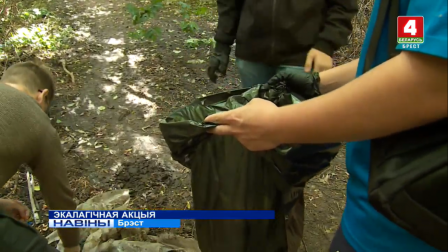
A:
(32, 30)
(34, 14)
(190, 27)
(39, 37)
(187, 25)
(151, 33)
(201, 11)
(142, 16)
(195, 43)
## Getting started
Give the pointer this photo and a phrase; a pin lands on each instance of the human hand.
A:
(252, 124)
(218, 61)
(73, 249)
(302, 83)
(15, 209)
(318, 61)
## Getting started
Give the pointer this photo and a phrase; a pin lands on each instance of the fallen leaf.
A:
(188, 205)
(58, 121)
(36, 188)
(176, 52)
(127, 152)
(101, 108)
(195, 61)
(324, 179)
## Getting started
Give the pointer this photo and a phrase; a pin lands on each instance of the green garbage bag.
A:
(227, 176)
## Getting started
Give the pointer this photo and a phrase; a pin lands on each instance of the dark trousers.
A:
(16, 236)
(339, 243)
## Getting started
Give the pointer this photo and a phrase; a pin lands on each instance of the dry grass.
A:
(360, 22)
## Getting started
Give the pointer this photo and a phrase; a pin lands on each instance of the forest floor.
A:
(108, 117)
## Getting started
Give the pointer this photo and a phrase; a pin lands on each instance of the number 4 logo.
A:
(410, 30)
(410, 27)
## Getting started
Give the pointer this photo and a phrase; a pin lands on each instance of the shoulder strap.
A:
(388, 9)
(394, 11)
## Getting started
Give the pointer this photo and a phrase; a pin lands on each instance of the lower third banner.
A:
(108, 223)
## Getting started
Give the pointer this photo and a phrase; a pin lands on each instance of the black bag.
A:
(409, 170)
(227, 176)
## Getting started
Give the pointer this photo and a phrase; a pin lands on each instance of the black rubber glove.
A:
(299, 81)
(218, 61)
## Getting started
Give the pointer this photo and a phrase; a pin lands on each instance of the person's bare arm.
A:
(405, 92)
(335, 78)
(49, 169)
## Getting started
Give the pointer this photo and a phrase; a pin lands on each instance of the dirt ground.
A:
(108, 119)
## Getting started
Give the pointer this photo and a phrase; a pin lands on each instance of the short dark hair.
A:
(32, 74)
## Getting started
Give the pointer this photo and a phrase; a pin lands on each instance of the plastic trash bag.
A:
(112, 200)
(107, 201)
(226, 176)
(115, 240)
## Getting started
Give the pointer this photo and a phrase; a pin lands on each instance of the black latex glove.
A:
(299, 81)
(218, 61)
